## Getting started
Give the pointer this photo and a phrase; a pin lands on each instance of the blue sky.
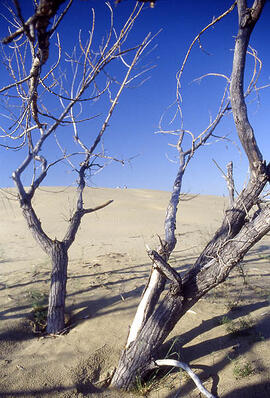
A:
(133, 126)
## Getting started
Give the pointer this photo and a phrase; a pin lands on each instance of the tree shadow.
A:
(13, 334)
(258, 390)
(20, 315)
(257, 254)
(54, 391)
(118, 278)
(210, 346)
(24, 284)
(114, 280)
(96, 306)
(93, 308)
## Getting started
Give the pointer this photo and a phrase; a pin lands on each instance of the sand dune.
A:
(107, 271)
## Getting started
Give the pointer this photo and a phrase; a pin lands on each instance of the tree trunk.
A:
(239, 231)
(140, 355)
(137, 358)
(58, 253)
(56, 309)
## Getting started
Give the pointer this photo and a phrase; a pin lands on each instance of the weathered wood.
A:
(230, 183)
(137, 358)
(184, 366)
(237, 234)
(247, 20)
(165, 269)
(170, 219)
(147, 304)
(156, 281)
(235, 216)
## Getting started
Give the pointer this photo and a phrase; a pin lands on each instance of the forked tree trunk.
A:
(58, 254)
(239, 231)
(57, 296)
(139, 356)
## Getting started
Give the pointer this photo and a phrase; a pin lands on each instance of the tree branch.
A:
(76, 220)
(165, 269)
(230, 183)
(199, 280)
(184, 366)
(247, 20)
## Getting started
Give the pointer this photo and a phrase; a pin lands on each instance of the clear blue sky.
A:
(131, 130)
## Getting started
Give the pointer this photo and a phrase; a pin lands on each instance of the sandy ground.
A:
(225, 338)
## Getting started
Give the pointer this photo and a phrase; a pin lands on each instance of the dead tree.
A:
(30, 102)
(239, 231)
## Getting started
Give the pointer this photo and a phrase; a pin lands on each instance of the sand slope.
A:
(107, 271)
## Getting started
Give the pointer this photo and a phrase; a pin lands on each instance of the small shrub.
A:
(224, 320)
(242, 370)
(143, 387)
(39, 304)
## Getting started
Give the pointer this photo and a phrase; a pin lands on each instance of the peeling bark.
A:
(138, 357)
(230, 183)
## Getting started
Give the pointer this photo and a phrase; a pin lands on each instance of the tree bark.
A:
(238, 233)
(230, 183)
(156, 281)
(139, 356)
(57, 252)
(57, 296)
(34, 224)
(235, 217)
(247, 18)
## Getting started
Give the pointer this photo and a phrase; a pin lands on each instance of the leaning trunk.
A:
(242, 227)
(139, 356)
(56, 308)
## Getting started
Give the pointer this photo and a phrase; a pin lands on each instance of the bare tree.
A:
(241, 228)
(31, 102)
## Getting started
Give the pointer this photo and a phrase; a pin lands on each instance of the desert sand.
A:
(225, 338)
